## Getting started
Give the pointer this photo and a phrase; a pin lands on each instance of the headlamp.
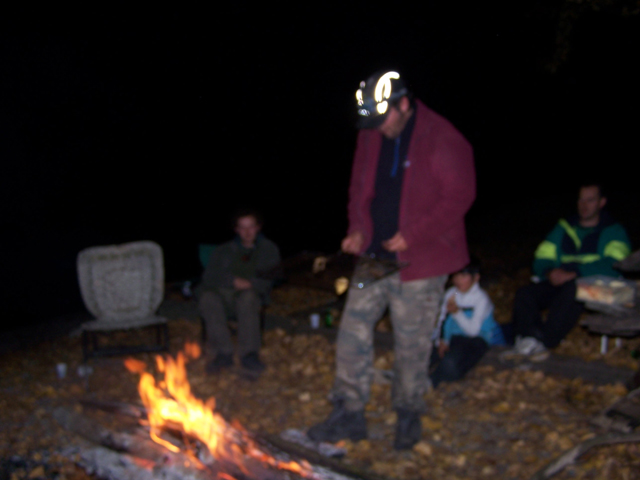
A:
(375, 95)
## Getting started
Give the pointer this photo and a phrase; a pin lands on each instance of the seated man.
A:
(587, 244)
(232, 285)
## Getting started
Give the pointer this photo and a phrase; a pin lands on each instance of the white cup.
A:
(84, 370)
(314, 319)
(61, 370)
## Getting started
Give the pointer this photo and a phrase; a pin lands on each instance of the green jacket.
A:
(218, 272)
(586, 251)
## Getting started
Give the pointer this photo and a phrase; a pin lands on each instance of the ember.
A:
(170, 404)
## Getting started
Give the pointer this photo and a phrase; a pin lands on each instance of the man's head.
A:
(591, 201)
(247, 224)
(384, 103)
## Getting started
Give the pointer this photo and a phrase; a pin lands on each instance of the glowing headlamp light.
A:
(381, 94)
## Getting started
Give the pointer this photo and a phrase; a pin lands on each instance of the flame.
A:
(170, 402)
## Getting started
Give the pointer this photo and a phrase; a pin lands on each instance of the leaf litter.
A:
(495, 423)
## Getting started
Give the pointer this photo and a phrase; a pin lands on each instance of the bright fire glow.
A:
(170, 403)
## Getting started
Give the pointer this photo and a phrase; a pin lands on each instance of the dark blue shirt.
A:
(385, 206)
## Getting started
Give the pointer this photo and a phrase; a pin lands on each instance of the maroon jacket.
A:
(438, 189)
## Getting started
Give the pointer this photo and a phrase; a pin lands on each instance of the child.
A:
(468, 330)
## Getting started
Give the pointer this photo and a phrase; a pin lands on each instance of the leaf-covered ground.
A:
(496, 423)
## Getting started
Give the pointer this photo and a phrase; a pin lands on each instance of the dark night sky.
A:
(119, 126)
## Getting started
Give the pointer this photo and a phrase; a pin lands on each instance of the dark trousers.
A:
(563, 311)
(462, 356)
(217, 307)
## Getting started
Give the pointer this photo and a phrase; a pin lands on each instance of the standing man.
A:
(412, 182)
(588, 243)
(232, 286)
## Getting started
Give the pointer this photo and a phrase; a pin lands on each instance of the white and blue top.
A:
(473, 319)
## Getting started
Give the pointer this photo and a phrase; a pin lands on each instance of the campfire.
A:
(177, 436)
(172, 407)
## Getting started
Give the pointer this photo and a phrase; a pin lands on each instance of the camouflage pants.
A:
(413, 307)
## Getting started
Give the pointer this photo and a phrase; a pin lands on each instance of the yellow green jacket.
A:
(586, 251)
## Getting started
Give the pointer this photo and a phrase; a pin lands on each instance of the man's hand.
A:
(396, 243)
(241, 283)
(442, 348)
(352, 243)
(558, 276)
(452, 306)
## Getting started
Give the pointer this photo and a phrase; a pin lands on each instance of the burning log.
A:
(170, 403)
(133, 456)
(292, 448)
(122, 456)
(186, 438)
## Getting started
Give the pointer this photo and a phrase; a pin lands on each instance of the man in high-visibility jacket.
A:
(587, 244)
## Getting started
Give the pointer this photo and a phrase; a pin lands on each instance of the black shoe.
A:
(251, 361)
(408, 429)
(222, 360)
(339, 425)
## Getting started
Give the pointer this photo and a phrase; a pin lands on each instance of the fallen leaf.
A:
(423, 448)
(37, 472)
(304, 397)
(502, 407)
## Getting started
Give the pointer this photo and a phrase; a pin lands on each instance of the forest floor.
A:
(501, 421)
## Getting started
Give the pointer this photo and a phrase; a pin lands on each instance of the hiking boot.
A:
(222, 360)
(251, 361)
(340, 424)
(408, 429)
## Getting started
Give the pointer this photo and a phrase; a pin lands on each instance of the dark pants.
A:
(462, 356)
(216, 308)
(563, 311)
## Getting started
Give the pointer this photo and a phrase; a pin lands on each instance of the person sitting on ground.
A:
(232, 286)
(587, 244)
(468, 327)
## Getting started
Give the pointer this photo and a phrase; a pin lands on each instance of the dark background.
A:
(118, 125)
